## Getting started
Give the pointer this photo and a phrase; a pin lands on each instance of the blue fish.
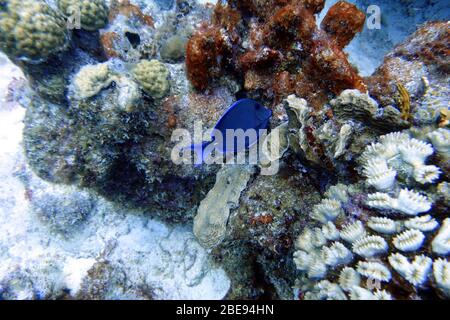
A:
(244, 114)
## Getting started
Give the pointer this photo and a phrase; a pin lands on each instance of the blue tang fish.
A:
(244, 114)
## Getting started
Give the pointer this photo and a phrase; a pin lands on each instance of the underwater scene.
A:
(224, 149)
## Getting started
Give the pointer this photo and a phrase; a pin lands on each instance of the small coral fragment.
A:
(409, 240)
(327, 210)
(408, 202)
(91, 79)
(370, 246)
(374, 270)
(353, 231)
(441, 243)
(382, 225)
(152, 76)
(441, 272)
(349, 278)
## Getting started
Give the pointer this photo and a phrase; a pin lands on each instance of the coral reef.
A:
(31, 30)
(357, 209)
(275, 45)
(401, 238)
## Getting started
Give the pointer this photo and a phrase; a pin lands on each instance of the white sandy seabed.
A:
(61, 241)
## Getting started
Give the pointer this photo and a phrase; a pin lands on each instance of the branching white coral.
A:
(415, 152)
(440, 139)
(382, 295)
(349, 278)
(326, 290)
(441, 272)
(426, 174)
(374, 270)
(419, 270)
(408, 202)
(330, 232)
(327, 210)
(399, 263)
(398, 152)
(336, 254)
(302, 260)
(395, 138)
(339, 192)
(412, 203)
(305, 240)
(317, 269)
(408, 240)
(370, 246)
(318, 238)
(353, 231)
(359, 293)
(382, 225)
(441, 243)
(378, 174)
(415, 272)
(424, 223)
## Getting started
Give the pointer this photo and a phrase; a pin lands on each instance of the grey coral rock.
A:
(212, 215)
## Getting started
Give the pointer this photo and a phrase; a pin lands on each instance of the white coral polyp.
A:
(336, 254)
(382, 225)
(329, 291)
(441, 272)
(374, 270)
(379, 175)
(408, 240)
(423, 223)
(399, 263)
(414, 152)
(358, 293)
(412, 203)
(408, 202)
(330, 232)
(353, 231)
(349, 278)
(426, 174)
(305, 240)
(440, 139)
(419, 270)
(416, 272)
(317, 269)
(441, 243)
(302, 260)
(395, 138)
(327, 210)
(370, 246)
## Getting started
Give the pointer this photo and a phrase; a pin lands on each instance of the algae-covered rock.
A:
(92, 14)
(31, 30)
(173, 49)
(153, 77)
(212, 215)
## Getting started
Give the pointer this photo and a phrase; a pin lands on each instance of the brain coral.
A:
(152, 76)
(93, 14)
(31, 30)
(391, 244)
